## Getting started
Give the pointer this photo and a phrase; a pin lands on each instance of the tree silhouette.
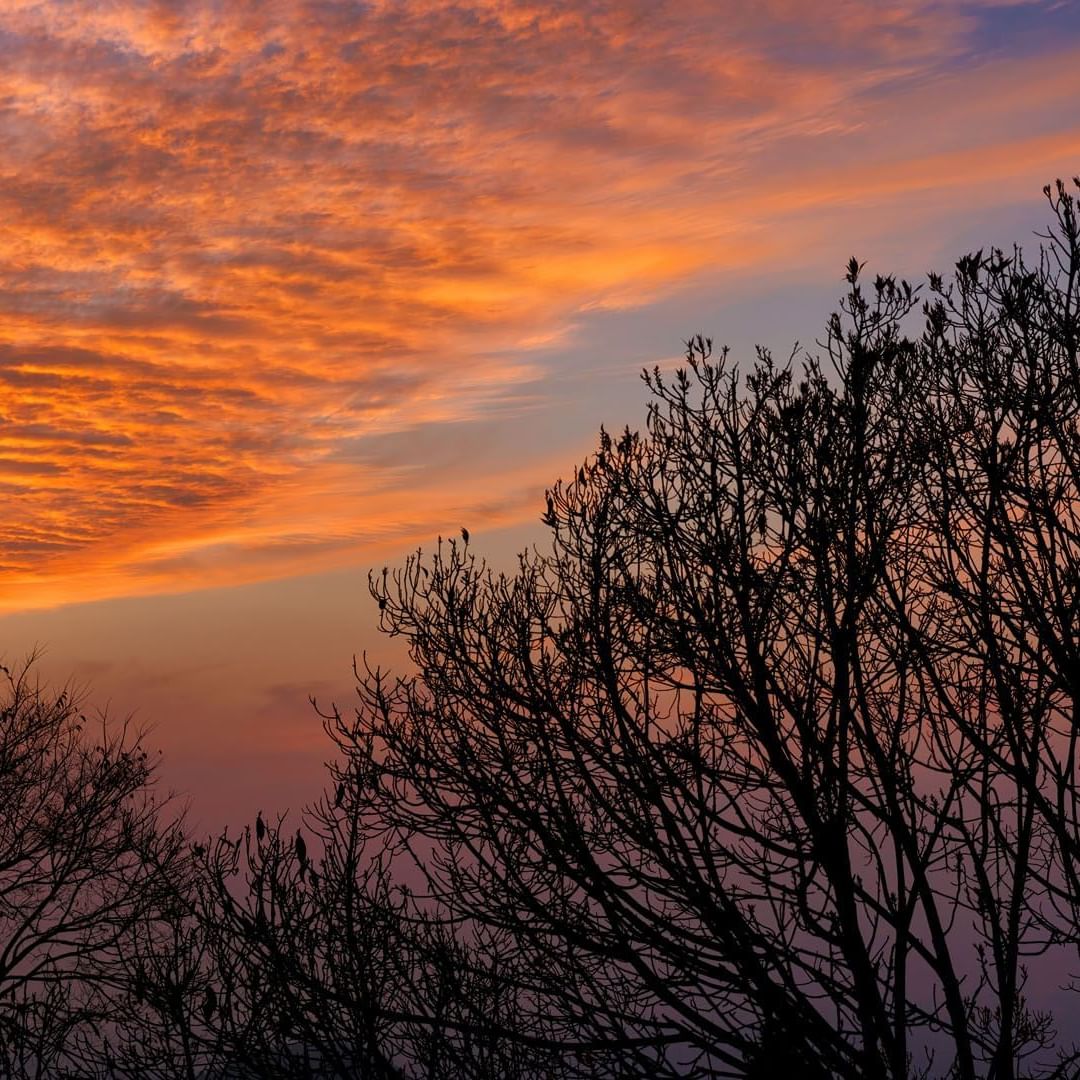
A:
(85, 857)
(770, 760)
(765, 765)
(295, 967)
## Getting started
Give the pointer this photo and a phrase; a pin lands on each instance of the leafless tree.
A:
(768, 764)
(765, 766)
(85, 856)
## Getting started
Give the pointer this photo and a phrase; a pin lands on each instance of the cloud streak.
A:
(236, 239)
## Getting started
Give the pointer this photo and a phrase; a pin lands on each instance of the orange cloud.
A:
(239, 241)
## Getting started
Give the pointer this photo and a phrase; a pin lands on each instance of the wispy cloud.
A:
(238, 238)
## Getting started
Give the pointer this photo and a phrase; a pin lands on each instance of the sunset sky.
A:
(291, 288)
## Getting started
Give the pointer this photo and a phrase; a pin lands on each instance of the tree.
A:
(770, 761)
(767, 765)
(85, 857)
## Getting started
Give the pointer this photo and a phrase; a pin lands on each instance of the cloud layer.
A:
(240, 241)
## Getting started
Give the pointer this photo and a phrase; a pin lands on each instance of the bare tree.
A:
(85, 856)
(770, 760)
(767, 765)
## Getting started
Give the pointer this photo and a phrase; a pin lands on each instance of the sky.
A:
(289, 289)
